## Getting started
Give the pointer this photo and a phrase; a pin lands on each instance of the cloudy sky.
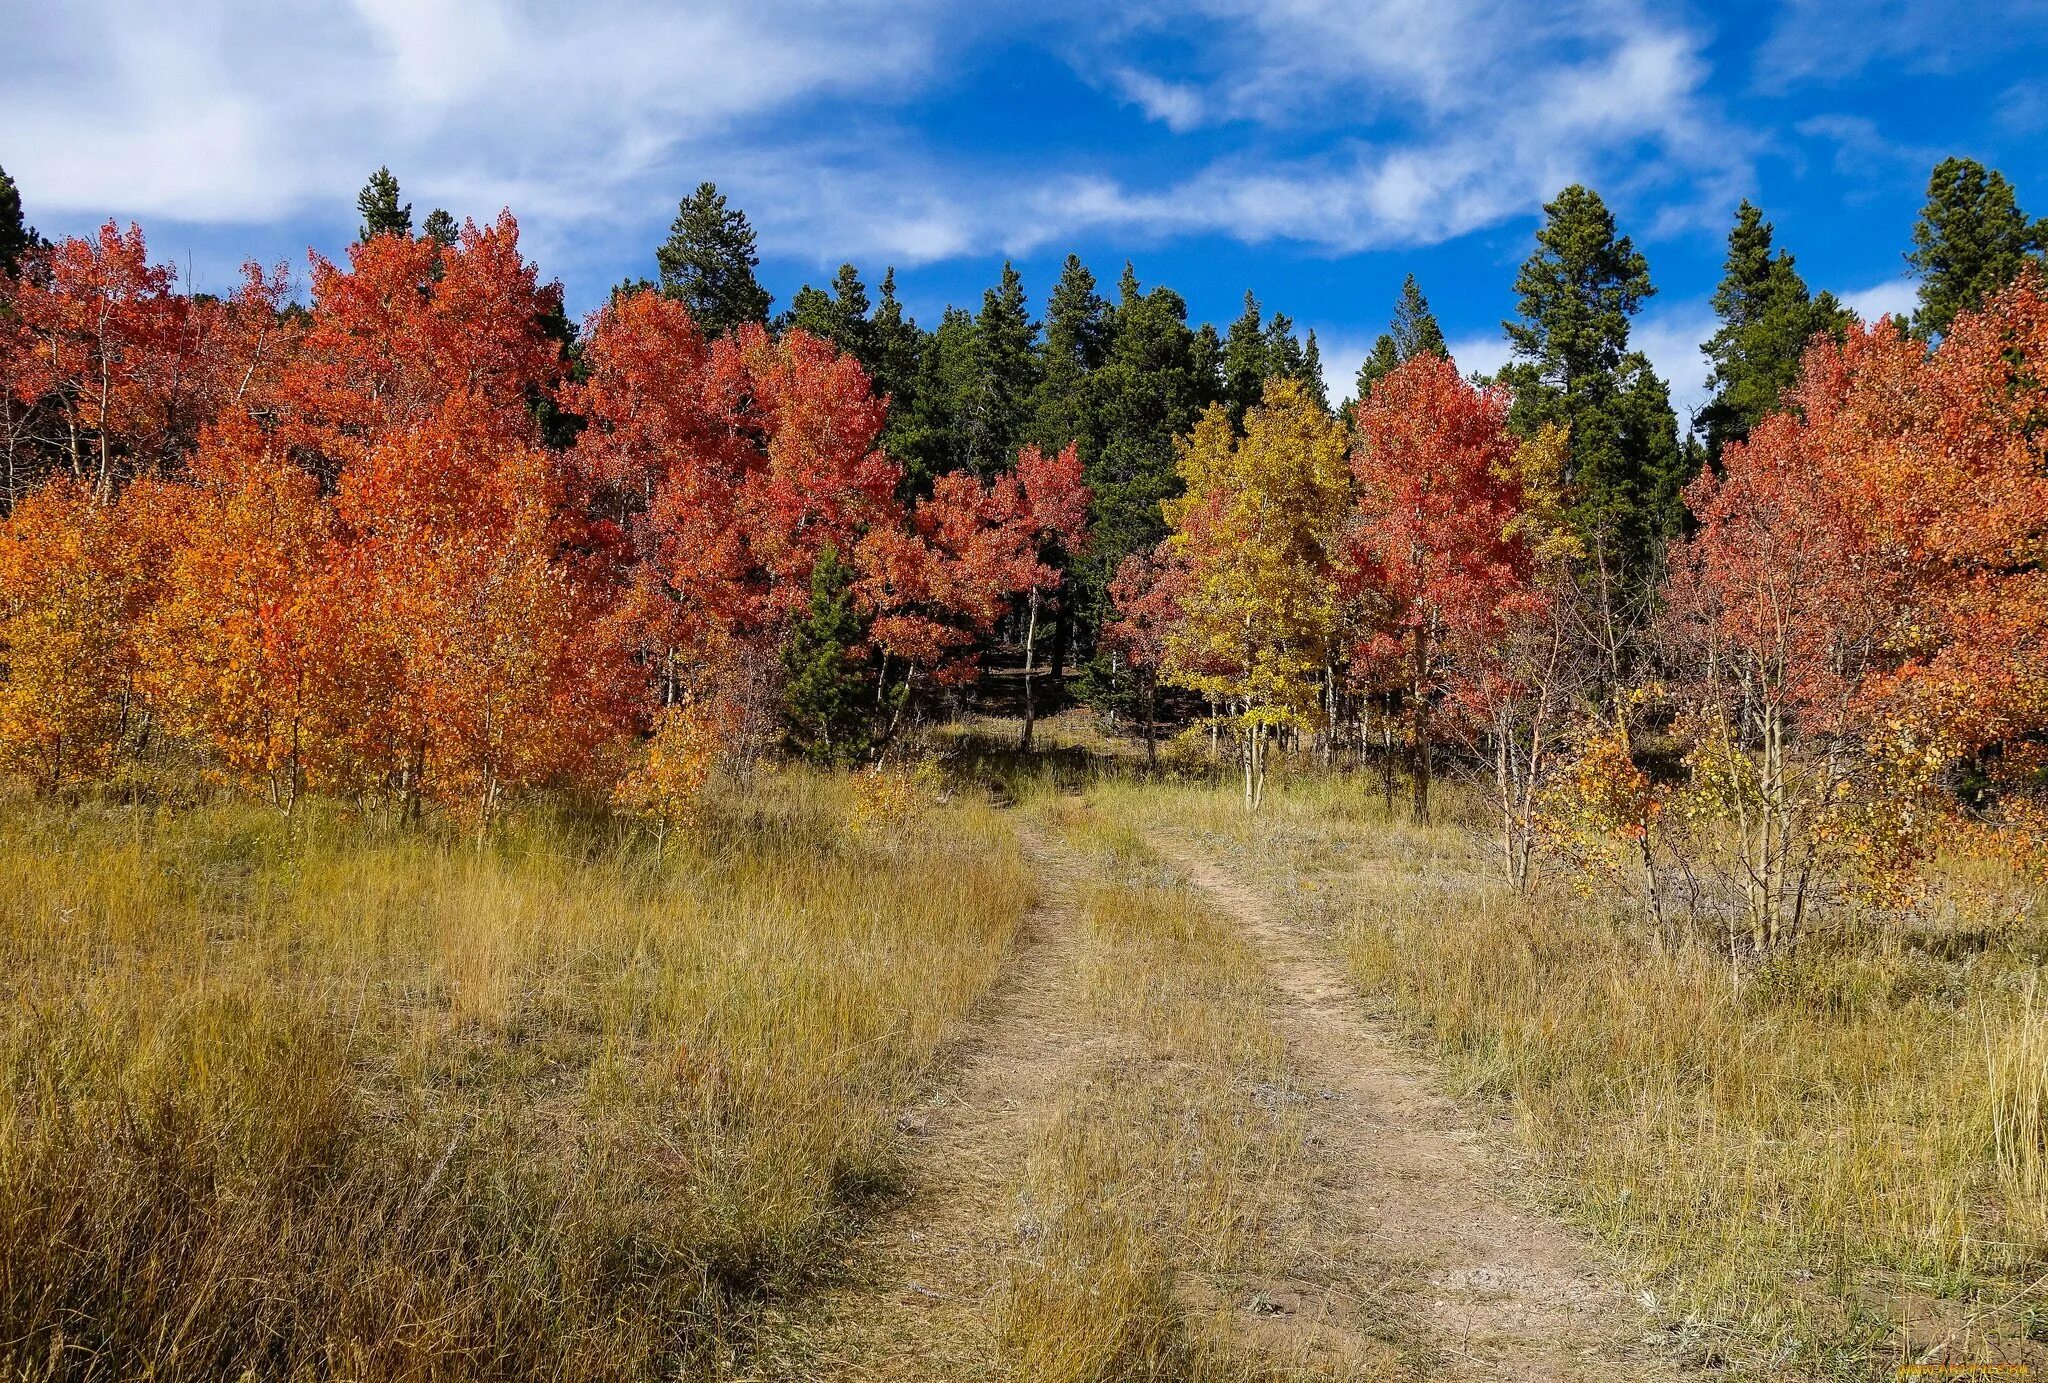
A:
(1310, 150)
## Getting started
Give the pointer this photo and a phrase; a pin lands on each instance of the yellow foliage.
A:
(667, 789)
(1256, 534)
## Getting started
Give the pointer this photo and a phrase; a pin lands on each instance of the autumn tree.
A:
(78, 570)
(115, 371)
(1845, 640)
(239, 652)
(1257, 532)
(1436, 557)
(1146, 604)
(1050, 523)
(477, 653)
(407, 325)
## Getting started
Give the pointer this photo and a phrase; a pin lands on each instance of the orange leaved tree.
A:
(78, 571)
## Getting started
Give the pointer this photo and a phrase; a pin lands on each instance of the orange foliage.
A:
(77, 574)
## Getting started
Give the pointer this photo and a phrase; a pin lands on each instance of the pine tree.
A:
(17, 237)
(1768, 318)
(840, 316)
(1413, 331)
(932, 438)
(1156, 378)
(382, 214)
(827, 689)
(1970, 241)
(1283, 348)
(1311, 375)
(895, 347)
(1005, 374)
(440, 228)
(1076, 337)
(708, 263)
(1574, 369)
(1247, 357)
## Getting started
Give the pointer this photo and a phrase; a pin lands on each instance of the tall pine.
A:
(1413, 331)
(1970, 241)
(17, 237)
(1076, 338)
(1247, 351)
(1004, 377)
(708, 263)
(1768, 318)
(1574, 368)
(840, 316)
(381, 210)
(1156, 378)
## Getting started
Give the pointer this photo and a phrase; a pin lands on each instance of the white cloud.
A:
(1894, 297)
(237, 110)
(1482, 353)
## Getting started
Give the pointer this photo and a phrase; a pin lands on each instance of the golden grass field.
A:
(335, 1099)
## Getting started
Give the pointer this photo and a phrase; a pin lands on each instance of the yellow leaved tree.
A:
(1252, 553)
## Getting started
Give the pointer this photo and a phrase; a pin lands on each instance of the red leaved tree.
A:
(1437, 562)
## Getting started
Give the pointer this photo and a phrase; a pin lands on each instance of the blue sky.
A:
(1311, 150)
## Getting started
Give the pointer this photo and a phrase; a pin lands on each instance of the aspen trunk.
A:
(1030, 702)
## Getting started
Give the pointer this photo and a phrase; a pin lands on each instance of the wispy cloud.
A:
(1424, 119)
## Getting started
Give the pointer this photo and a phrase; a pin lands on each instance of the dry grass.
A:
(337, 1102)
(1834, 1167)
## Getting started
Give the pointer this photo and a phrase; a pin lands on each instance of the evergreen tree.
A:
(828, 692)
(1574, 368)
(1076, 337)
(440, 228)
(1768, 318)
(17, 237)
(1412, 332)
(1247, 356)
(1005, 374)
(1285, 358)
(1156, 378)
(1970, 241)
(1311, 375)
(840, 316)
(382, 214)
(895, 347)
(933, 436)
(1381, 361)
(708, 263)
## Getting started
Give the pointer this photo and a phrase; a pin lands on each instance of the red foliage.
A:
(408, 326)
(1435, 554)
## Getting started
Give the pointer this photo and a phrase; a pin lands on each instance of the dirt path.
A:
(1496, 1291)
(924, 1303)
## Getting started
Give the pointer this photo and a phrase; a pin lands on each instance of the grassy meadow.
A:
(333, 1098)
(325, 1100)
